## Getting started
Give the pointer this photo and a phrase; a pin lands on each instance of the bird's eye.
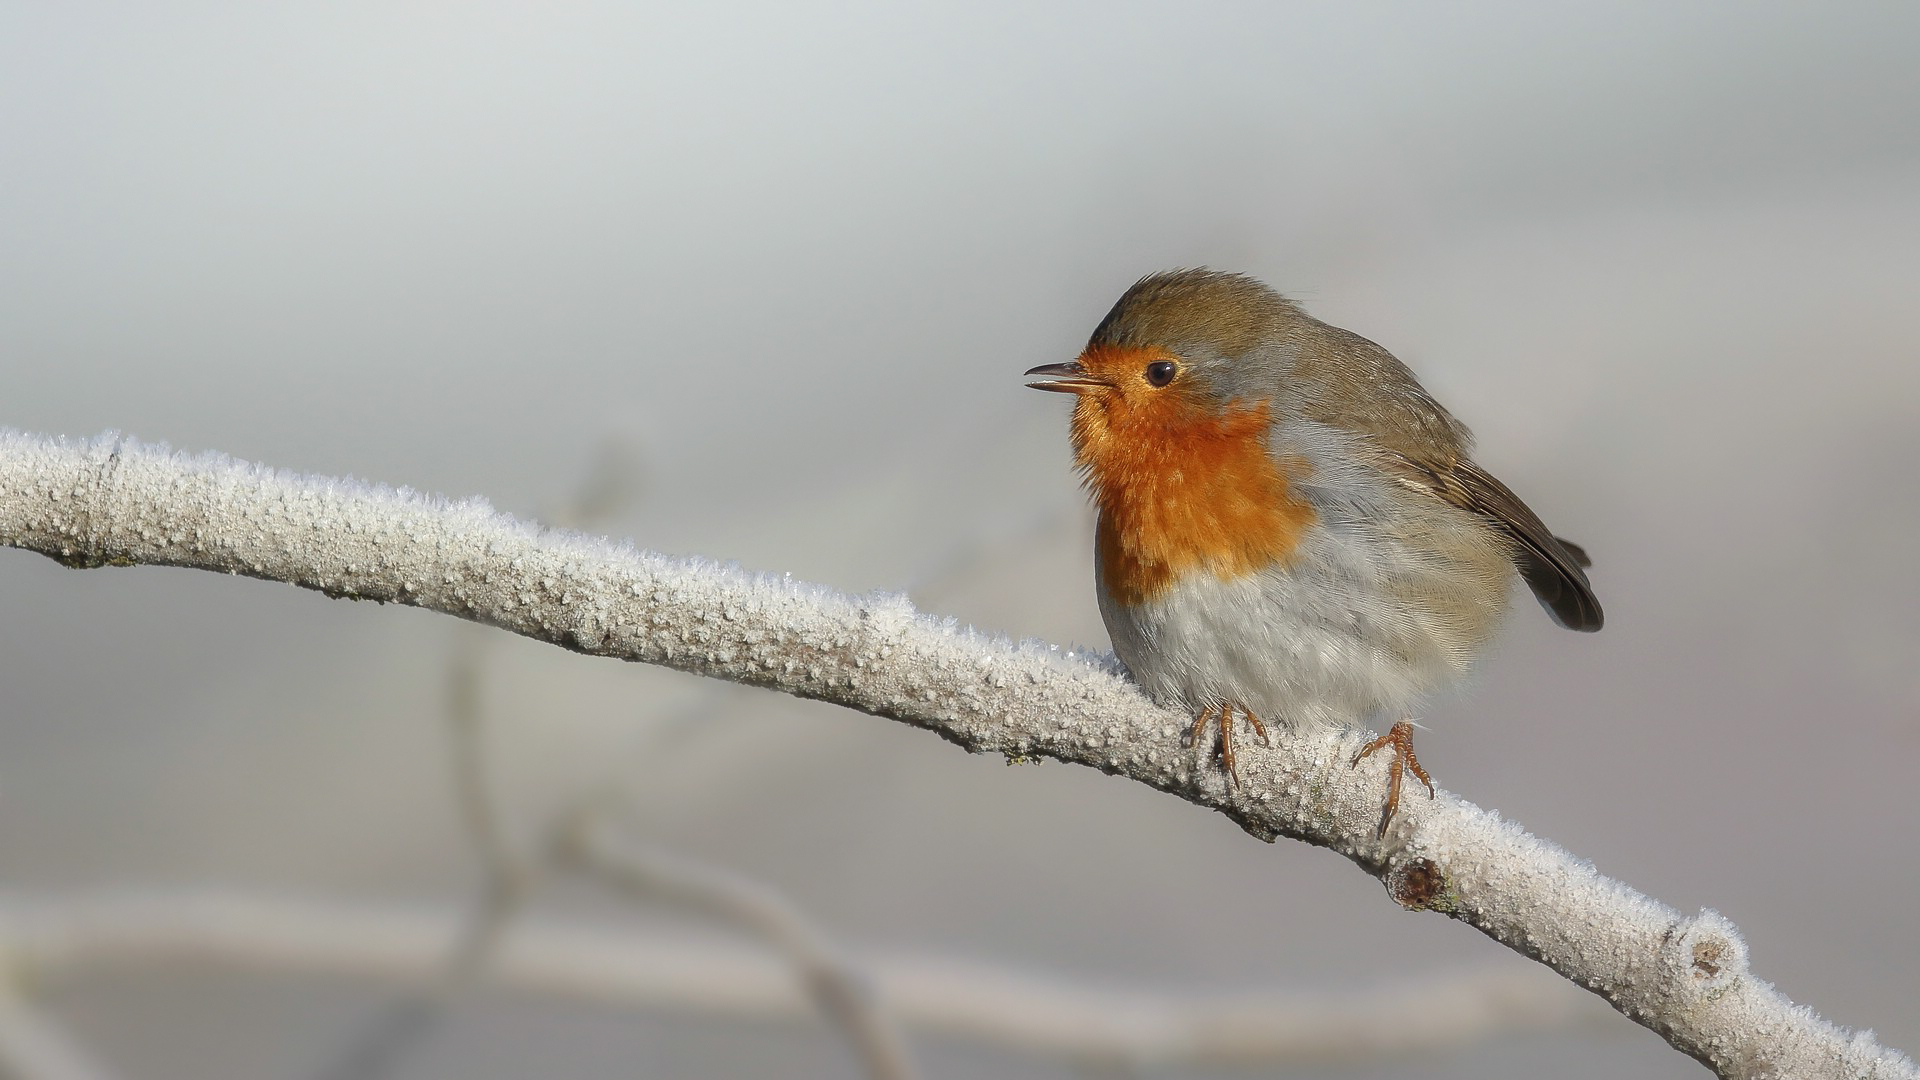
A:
(1160, 372)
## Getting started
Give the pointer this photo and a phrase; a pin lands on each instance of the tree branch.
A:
(111, 501)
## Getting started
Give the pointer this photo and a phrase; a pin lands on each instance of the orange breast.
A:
(1184, 489)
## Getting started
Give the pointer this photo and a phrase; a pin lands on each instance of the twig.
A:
(110, 501)
(506, 881)
(838, 986)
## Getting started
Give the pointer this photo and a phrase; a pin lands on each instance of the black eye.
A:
(1160, 372)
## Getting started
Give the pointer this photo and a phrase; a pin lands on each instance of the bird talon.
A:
(1259, 728)
(1199, 727)
(1223, 716)
(1400, 740)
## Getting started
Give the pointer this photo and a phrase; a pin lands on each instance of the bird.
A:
(1290, 528)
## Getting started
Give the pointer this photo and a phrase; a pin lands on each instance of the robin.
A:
(1290, 527)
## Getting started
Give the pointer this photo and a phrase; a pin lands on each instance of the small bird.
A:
(1290, 527)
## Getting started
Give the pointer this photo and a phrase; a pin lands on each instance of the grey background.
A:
(1662, 258)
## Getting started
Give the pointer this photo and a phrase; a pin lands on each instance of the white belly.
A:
(1355, 623)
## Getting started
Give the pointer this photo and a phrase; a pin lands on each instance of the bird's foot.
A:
(1400, 741)
(1224, 715)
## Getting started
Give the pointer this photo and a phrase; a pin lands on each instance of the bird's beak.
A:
(1067, 378)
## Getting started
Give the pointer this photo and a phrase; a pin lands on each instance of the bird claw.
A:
(1400, 740)
(1223, 714)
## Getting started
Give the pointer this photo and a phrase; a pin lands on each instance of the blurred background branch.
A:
(840, 989)
(64, 937)
(35, 1046)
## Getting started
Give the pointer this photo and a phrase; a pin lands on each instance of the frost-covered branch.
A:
(73, 936)
(110, 501)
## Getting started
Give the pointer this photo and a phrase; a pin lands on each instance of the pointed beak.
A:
(1068, 378)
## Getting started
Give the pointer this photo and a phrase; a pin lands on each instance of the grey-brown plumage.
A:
(1259, 345)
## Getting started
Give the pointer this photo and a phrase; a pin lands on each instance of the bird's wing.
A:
(1553, 568)
(1357, 386)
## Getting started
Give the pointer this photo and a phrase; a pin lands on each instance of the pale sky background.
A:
(1663, 258)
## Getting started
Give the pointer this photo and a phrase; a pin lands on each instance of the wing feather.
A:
(1553, 568)
(1357, 386)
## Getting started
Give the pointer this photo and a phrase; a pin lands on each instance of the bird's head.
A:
(1176, 407)
(1181, 356)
